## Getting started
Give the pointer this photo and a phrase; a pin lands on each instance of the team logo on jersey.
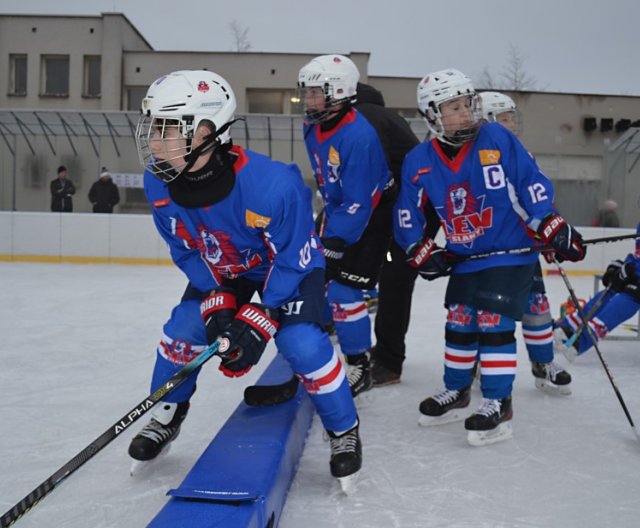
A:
(489, 157)
(179, 352)
(256, 220)
(465, 218)
(539, 304)
(221, 256)
(333, 165)
(459, 315)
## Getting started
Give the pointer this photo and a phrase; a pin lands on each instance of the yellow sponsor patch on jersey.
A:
(489, 157)
(334, 157)
(255, 220)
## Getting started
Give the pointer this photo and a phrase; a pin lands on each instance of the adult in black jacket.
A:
(61, 192)
(397, 278)
(104, 194)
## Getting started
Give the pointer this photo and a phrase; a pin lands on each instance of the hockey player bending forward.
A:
(621, 302)
(537, 325)
(358, 193)
(236, 223)
(490, 196)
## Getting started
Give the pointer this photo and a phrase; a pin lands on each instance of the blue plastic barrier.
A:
(243, 477)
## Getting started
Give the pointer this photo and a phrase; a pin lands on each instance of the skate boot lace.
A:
(157, 432)
(354, 373)
(552, 370)
(488, 407)
(446, 396)
(344, 444)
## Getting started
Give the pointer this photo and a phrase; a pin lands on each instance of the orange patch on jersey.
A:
(334, 156)
(161, 203)
(489, 157)
(255, 220)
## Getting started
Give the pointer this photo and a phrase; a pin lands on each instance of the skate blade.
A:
(141, 466)
(349, 484)
(551, 388)
(503, 432)
(454, 415)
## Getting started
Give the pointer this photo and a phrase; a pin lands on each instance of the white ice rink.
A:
(76, 351)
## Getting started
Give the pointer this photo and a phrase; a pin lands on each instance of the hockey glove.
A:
(565, 240)
(333, 254)
(619, 275)
(429, 259)
(218, 310)
(245, 339)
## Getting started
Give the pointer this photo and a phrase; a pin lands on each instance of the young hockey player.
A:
(536, 321)
(236, 223)
(490, 196)
(358, 193)
(621, 302)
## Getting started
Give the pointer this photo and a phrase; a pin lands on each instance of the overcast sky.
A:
(582, 46)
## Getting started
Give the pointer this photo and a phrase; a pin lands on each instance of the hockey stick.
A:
(585, 323)
(594, 309)
(524, 251)
(22, 507)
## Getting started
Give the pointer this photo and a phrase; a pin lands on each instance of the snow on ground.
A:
(77, 351)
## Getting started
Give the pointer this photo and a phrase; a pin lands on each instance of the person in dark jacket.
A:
(61, 192)
(104, 193)
(397, 278)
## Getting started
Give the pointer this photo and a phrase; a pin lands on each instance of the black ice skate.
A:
(551, 378)
(491, 423)
(359, 373)
(346, 458)
(155, 437)
(445, 407)
(381, 375)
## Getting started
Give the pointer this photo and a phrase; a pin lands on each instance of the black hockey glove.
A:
(429, 259)
(619, 275)
(333, 254)
(245, 339)
(565, 240)
(218, 310)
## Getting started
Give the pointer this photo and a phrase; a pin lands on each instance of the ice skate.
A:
(346, 458)
(155, 437)
(551, 378)
(560, 336)
(359, 373)
(445, 407)
(491, 423)
(381, 375)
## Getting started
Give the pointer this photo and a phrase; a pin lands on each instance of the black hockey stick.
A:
(105, 438)
(589, 330)
(524, 251)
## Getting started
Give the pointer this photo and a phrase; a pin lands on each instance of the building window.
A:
(17, 74)
(135, 95)
(269, 101)
(55, 75)
(91, 82)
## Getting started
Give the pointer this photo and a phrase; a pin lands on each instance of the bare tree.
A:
(486, 80)
(513, 75)
(240, 37)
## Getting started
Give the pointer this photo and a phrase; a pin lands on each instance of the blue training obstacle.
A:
(243, 477)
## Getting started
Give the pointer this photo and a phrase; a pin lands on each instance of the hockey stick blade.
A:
(454, 259)
(265, 395)
(33, 498)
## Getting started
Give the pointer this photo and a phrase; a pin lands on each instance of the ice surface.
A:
(77, 348)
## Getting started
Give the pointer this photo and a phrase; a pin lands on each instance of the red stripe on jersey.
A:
(498, 364)
(455, 163)
(161, 203)
(537, 337)
(458, 359)
(333, 374)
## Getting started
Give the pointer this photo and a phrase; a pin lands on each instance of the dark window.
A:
(92, 85)
(55, 78)
(18, 75)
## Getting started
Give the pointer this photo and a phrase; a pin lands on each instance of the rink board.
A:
(243, 477)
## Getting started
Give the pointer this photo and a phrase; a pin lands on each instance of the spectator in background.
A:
(607, 215)
(104, 193)
(61, 192)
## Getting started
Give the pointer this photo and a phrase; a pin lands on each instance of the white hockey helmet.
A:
(494, 104)
(440, 87)
(180, 101)
(338, 77)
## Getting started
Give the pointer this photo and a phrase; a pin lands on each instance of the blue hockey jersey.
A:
(491, 197)
(351, 171)
(262, 230)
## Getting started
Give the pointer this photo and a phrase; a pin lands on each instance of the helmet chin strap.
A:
(210, 143)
